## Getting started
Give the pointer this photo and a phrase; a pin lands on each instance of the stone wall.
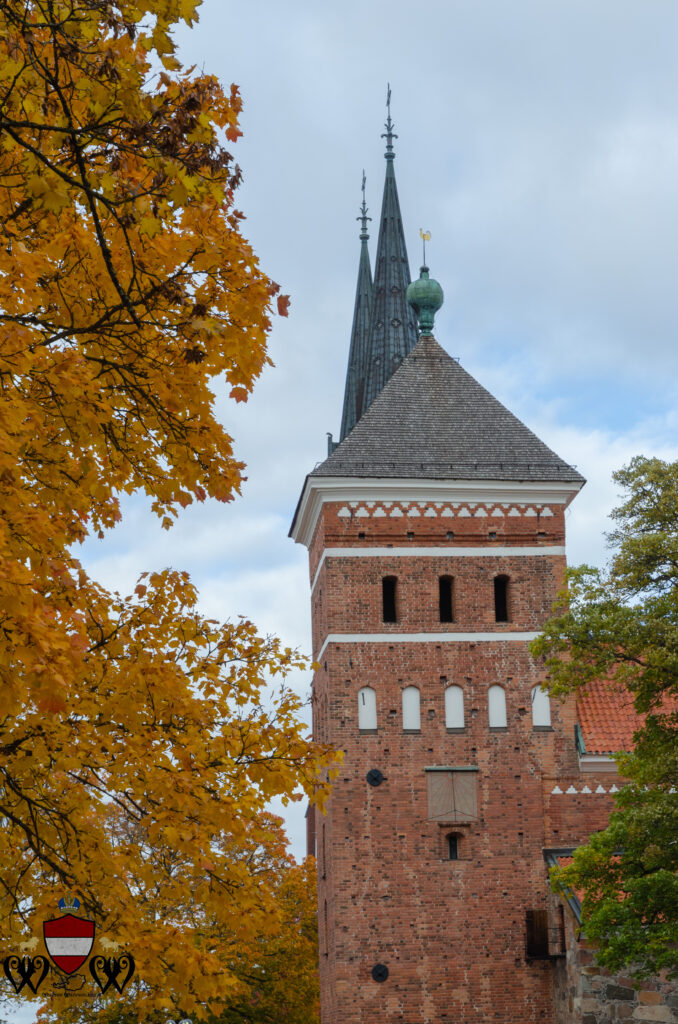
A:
(588, 994)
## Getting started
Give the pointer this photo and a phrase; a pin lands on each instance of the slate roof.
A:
(393, 325)
(433, 420)
(354, 392)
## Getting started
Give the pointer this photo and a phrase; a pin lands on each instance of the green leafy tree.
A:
(620, 624)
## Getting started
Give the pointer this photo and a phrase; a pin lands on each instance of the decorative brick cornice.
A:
(379, 498)
(568, 789)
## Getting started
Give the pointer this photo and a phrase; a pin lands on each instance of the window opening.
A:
(367, 708)
(497, 707)
(388, 593)
(536, 934)
(411, 708)
(454, 707)
(445, 598)
(453, 846)
(541, 707)
(323, 853)
(501, 598)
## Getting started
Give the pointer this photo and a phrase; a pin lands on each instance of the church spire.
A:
(355, 375)
(393, 331)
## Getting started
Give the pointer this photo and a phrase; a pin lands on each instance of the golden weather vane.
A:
(426, 237)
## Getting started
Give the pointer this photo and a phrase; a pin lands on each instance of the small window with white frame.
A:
(454, 707)
(541, 708)
(367, 709)
(411, 709)
(497, 707)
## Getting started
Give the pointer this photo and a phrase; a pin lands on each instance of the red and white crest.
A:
(69, 940)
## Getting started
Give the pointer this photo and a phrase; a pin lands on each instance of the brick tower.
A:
(436, 538)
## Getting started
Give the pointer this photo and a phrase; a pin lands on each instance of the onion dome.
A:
(425, 296)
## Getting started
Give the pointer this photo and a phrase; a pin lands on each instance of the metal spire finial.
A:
(363, 215)
(389, 134)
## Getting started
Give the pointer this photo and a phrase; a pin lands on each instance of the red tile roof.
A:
(607, 718)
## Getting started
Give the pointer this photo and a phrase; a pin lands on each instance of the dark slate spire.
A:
(393, 331)
(355, 375)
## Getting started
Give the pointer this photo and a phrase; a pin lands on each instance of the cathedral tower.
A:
(436, 537)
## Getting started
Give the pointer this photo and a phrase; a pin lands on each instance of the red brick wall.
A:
(513, 527)
(452, 933)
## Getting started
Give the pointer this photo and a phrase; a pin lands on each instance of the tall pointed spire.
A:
(393, 330)
(355, 375)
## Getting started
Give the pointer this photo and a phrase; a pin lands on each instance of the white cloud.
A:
(539, 144)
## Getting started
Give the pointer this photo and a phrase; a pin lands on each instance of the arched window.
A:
(367, 708)
(445, 598)
(501, 598)
(453, 846)
(388, 597)
(497, 707)
(541, 707)
(454, 707)
(411, 709)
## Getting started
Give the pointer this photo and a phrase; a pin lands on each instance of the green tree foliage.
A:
(621, 624)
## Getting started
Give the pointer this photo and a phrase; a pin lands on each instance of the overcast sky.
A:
(538, 142)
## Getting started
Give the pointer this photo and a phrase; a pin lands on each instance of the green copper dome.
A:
(425, 297)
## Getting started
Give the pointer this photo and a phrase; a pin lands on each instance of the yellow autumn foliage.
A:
(138, 743)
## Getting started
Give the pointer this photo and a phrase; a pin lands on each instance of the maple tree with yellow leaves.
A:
(138, 743)
(275, 962)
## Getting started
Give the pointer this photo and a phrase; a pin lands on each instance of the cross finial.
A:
(363, 215)
(389, 134)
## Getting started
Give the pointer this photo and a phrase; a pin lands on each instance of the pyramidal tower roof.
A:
(434, 421)
(354, 394)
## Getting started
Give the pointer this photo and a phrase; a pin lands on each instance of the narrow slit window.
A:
(445, 598)
(388, 594)
(367, 708)
(411, 708)
(497, 707)
(541, 708)
(501, 608)
(453, 846)
(323, 854)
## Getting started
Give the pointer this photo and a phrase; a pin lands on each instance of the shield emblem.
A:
(69, 940)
